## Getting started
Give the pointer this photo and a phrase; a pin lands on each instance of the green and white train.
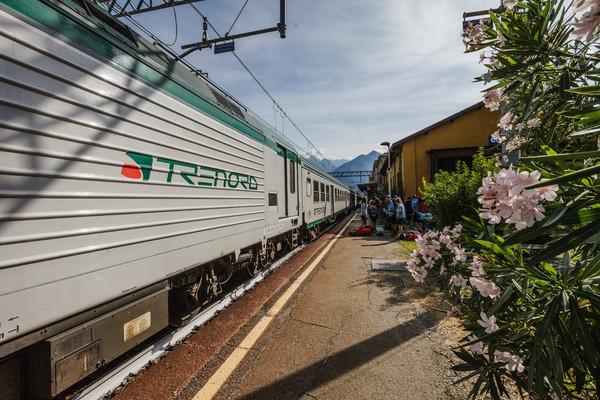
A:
(131, 189)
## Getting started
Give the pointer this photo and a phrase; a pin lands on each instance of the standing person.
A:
(409, 211)
(390, 212)
(418, 223)
(363, 212)
(373, 210)
(400, 215)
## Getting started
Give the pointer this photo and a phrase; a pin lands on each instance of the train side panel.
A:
(108, 184)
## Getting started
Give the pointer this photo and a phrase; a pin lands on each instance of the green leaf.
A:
(585, 336)
(567, 242)
(567, 178)
(587, 90)
(564, 156)
(585, 117)
(588, 271)
(494, 248)
(583, 217)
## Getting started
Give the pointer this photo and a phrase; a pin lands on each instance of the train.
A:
(132, 190)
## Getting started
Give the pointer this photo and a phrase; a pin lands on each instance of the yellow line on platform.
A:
(224, 372)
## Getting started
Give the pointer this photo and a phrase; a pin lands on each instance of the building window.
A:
(445, 160)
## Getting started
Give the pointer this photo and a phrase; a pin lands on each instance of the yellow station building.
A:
(438, 147)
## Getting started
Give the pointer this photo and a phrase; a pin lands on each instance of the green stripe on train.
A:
(111, 49)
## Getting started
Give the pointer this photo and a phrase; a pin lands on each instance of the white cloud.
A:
(350, 73)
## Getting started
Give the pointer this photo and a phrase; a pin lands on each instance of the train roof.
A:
(83, 21)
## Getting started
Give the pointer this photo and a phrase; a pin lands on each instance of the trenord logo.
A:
(143, 165)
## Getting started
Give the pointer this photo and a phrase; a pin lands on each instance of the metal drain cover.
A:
(388, 265)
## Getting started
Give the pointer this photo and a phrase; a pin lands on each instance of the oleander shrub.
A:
(523, 275)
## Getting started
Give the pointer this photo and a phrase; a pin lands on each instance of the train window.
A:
(316, 192)
(327, 191)
(308, 187)
(272, 199)
(292, 177)
(322, 192)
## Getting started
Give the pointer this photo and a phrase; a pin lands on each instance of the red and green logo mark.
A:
(141, 168)
(192, 174)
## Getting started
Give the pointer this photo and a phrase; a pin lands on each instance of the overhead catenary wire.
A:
(315, 150)
(269, 94)
(236, 18)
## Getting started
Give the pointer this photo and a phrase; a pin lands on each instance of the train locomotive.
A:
(132, 189)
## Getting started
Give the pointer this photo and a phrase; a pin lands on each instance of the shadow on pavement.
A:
(336, 365)
(392, 283)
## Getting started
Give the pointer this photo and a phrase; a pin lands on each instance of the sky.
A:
(350, 74)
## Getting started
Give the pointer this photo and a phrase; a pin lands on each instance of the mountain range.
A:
(364, 162)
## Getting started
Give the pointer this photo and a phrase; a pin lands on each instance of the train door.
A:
(293, 191)
(332, 189)
(289, 182)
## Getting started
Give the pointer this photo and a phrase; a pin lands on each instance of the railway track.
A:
(119, 374)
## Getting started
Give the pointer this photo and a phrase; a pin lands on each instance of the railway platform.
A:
(345, 331)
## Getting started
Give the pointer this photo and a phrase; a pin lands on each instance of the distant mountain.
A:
(364, 162)
(326, 164)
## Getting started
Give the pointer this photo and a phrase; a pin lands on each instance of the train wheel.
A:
(258, 263)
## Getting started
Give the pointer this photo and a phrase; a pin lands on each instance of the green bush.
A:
(453, 195)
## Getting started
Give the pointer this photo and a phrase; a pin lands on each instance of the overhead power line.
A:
(269, 94)
(312, 149)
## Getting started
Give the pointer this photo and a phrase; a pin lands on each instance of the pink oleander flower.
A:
(487, 77)
(515, 142)
(486, 288)
(513, 362)
(473, 36)
(476, 347)
(506, 121)
(503, 196)
(476, 267)
(501, 39)
(488, 323)
(453, 312)
(496, 64)
(491, 99)
(534, 123)
(580, 5)
(588, 25)
(459, 281)
(497, 137)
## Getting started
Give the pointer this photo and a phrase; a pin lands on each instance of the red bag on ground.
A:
(366, 231)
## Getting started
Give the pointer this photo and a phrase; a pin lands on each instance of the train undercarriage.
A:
(54, 361)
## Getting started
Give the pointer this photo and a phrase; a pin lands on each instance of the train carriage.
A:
(131, 191)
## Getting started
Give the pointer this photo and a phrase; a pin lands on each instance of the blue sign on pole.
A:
(224, 47)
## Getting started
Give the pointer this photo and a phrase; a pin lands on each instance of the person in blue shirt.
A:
(390, 212)
(373, 212)
(400, 215)
(363, 212)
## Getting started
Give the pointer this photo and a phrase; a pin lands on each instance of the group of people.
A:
(398, 212)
